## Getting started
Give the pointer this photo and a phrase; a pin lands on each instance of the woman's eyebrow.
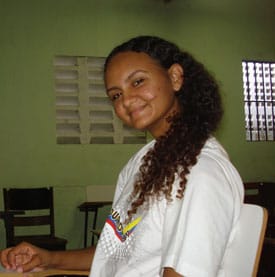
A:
(127, 79)
(111, 88)
(134, 73)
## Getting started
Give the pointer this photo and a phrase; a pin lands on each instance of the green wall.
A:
(219, 33)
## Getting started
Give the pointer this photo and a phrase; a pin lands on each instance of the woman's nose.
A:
(128, 98)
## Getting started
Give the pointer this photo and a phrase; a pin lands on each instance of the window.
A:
(84, 114)
(259, 100)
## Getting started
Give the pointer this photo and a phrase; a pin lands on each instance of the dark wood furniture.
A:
(28, 208)
(87, 207)
(263, 194)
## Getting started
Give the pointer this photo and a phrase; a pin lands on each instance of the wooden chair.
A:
(25, 208)
(263, 194)
(243, 255)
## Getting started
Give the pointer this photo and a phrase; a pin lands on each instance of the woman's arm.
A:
(170, 272)
(25, 257)
(73, 259)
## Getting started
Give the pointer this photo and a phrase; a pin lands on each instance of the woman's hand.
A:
(25, 257)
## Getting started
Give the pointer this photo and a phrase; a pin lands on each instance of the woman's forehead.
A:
(131, 58)
(126, 65)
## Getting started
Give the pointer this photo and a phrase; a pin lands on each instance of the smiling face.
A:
(142, 91)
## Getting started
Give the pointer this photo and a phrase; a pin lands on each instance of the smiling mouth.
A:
(135, 113)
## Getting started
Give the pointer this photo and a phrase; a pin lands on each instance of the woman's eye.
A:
(115, 96)
(138, 82)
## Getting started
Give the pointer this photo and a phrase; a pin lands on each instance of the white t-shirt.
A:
(189, 234)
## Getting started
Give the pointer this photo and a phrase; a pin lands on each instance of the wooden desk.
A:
(91, 207)
(44, 273)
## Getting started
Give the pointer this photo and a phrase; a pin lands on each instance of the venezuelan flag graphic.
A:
(122, 232)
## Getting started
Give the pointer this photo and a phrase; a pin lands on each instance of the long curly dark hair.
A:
(201, 110)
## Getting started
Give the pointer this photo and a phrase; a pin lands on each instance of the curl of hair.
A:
(201, 111)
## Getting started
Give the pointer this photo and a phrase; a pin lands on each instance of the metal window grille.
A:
(84, 114)
(259, 100)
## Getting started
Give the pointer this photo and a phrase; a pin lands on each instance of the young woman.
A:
(178, 199)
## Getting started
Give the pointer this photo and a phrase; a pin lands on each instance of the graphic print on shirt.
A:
(122, 233)
(117, 241)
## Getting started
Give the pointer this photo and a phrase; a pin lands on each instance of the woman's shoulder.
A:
(132, 166)
(213, 147)
(214, 167)
(135, 160)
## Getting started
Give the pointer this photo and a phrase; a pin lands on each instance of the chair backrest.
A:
(18, 202)
(242, 256)
(263, 194)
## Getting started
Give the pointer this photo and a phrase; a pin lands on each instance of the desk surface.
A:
(94, 204)
(43, 273)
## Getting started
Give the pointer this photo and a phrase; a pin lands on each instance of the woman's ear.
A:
(176, 76)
